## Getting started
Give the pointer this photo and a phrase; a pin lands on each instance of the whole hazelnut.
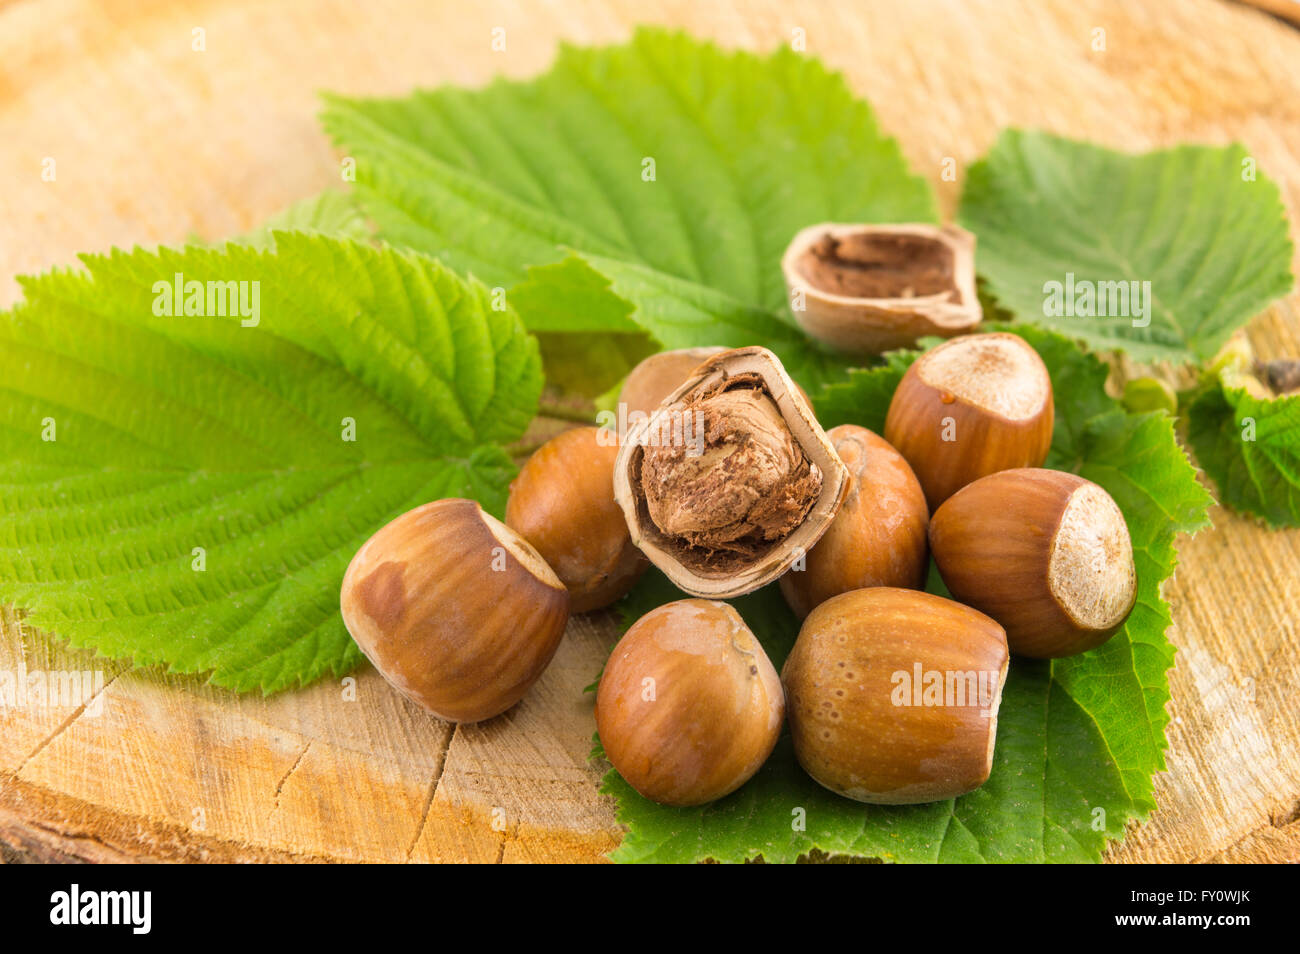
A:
(878, 538)
(456, 610)
(970, 407)
(689, 706)
(893, 695)
(1045, 553)
(563, 504)
(658, 376)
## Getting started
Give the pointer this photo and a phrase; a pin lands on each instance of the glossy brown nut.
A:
(1045, 553)
(878, 538)
(456, 610)
(658, 376)
(689, 706)
(865, 718)
(970, 407)
(563, 504)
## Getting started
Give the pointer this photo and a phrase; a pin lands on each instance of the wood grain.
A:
(155, 142)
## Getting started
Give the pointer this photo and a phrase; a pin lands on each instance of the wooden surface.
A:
(155, 142)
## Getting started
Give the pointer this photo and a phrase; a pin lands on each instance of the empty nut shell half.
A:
(865, 289)
(731, 479)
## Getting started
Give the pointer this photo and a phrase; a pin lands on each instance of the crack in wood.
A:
(433, 791)
(76, 714)
(292, 768)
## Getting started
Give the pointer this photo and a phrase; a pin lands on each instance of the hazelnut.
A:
(689, 706)
(659, 376)
(1045, 553)
(456, 610)
(563, 504)
(878, 538)
(731, 478)
(970, 407)
(893, 695)
(870, 288)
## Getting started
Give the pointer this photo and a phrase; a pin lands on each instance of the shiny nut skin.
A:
(660, 375)
(1045, 553)
(949, 415)
(689, 706)
(454, 609)
(844, 692)
(878, 538)
(562, 503)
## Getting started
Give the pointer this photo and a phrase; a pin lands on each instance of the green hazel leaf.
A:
(1078, 739)
(1212, 243)
(177, 433)
(330, 213)
(589, 342)
(677, 170)
(1250, 447)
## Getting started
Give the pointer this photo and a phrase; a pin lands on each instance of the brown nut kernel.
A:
(456, 610)
(869, 288)
(893, 695)
(563, 504)
(1045, 553)
(878, 538)
(689, 706)
(731, 478)
(971, 407)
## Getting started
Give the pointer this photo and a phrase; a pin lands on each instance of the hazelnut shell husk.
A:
(993, 542)
(689, 707)
(843, 694)
(922, 412)
(456, 610)
(562, 502)
(672, 556)
(878, 537)
(871, 325)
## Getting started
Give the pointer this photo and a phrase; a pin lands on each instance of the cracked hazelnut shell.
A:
(562, 502)
(1045, 553)
(689, 707)
(970, 407)
(683, 495)
(878, 538)
(456, 610)
(858, 713)
(871, 288)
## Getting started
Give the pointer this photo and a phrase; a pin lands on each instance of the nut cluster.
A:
(726, 481)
